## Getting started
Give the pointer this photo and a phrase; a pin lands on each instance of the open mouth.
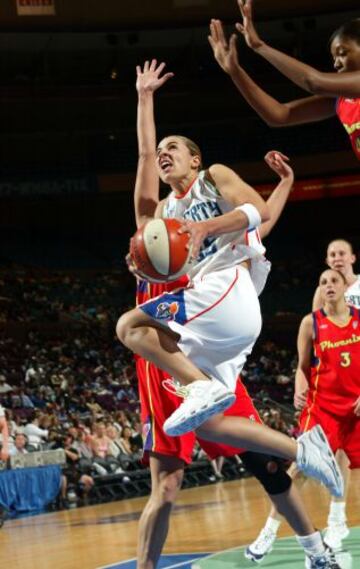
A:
(330, 293)
(165, 166)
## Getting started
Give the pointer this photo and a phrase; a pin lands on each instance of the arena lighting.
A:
(114, 73)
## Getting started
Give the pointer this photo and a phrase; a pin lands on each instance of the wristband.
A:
(251, 213)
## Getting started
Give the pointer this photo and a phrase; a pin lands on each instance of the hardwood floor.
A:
(209, 518)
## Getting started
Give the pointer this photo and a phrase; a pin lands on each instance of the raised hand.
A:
(225, 51)
(278, 162)
(149, 79)
(247, 28)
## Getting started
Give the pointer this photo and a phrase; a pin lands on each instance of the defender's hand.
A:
(279, 163)
(225, 52)
(247, 28)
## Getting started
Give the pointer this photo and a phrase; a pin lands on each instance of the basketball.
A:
(159, 252)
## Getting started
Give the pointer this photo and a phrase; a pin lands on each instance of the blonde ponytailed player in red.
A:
(327, 383)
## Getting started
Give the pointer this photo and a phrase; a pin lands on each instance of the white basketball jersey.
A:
(352, 294)
(203, 201)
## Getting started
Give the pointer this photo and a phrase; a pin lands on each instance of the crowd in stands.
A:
(77, 390)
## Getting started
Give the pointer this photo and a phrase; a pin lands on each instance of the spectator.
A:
(34, 433)
(19, 445)
(4, 387)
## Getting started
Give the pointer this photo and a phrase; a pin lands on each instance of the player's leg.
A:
(167, 457)
(337, 528)
(277, 483)
(311, 451)
(286, 499)
(263, 543)
(166, 478)
(348, 429)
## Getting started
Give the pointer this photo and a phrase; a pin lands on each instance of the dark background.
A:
(68, 112)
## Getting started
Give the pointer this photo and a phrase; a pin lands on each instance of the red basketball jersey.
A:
(348, 111)
(335, 370)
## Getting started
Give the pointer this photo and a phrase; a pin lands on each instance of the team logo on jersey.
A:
(323, 326)
(355, 324)
(167, 310)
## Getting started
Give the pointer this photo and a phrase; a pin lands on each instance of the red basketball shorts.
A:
(157, 404)
(342, 432)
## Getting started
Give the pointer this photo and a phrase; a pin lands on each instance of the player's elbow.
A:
(280, 116)
(314, 84)
(264, 212)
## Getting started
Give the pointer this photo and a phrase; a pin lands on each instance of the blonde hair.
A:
(192, 147)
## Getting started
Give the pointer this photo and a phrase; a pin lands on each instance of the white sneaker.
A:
(262, 545)
(334, 534)
(202, 400)
(325, 560)
(315, 458)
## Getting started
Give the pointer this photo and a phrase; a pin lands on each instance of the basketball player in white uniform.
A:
(202, 335)
(339, 256)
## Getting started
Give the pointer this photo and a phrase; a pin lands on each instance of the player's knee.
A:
(269, 471)
(125, 328)
(169, 488)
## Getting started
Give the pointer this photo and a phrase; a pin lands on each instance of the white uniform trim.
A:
(352, 294)
(202, 201)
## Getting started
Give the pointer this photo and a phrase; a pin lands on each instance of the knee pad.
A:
(268, 470)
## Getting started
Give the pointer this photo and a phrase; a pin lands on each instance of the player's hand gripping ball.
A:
(159, 253)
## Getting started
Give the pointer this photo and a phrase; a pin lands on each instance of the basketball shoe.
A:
(325, 560)
(262, 545)
(315, 458)
(335, 533)
(202, 400)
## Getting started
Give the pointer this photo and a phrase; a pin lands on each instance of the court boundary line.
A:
(204, 553)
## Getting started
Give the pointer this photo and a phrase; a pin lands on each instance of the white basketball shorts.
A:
(218, 319)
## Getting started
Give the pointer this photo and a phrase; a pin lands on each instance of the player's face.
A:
(339, 256)
(332, 286)
(346, 54)
(174, 160)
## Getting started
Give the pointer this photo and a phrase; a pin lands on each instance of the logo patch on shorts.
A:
(167, 310)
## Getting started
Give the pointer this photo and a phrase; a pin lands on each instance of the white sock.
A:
(272, 524)
(312, 544)
(337, 513)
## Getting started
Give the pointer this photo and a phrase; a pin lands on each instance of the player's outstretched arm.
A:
(304, 346)
(307, 77)
(146, 195)
(276, 202)
(273, 112)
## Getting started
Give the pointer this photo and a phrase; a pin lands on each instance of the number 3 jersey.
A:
(203, 201)
(335, 369)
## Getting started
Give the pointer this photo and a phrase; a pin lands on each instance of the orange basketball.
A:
(159, 252)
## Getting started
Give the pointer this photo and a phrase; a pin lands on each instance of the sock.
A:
(272, 524)
(312, 544)
(337, 513)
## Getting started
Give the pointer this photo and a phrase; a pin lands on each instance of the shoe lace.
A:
(174, 386)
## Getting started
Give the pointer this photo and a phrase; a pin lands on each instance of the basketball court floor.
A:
(210, 526)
